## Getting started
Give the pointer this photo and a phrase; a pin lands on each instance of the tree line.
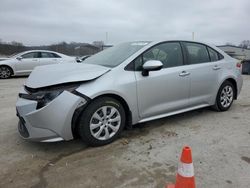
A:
(245, 44)
(71, 49)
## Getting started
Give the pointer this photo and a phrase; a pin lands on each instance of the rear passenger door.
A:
(48, 58)
(204, 69)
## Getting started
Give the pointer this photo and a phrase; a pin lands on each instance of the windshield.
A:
(114, 56)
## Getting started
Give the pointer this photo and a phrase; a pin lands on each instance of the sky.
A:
(41, 22)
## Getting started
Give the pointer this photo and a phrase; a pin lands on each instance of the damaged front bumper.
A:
(51, 122)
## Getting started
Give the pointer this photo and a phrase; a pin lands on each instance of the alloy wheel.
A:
(226, 96)
(5, 72)
(105, 123)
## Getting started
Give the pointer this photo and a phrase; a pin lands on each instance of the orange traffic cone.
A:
(185, 174)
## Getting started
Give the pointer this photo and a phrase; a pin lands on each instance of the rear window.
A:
(49, 55)
(214, 56)
(196, 53)
(46, 55)
(56, 55)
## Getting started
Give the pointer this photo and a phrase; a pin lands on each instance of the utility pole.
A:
(106, 37)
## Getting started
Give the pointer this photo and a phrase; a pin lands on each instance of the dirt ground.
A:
(146, 156)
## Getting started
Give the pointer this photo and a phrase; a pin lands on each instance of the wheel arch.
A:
(124, 104)
(79, 111)
(12, 70)
(232, 81)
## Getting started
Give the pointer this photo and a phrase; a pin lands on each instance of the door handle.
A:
(216, 67)
(184, 73)
(34, 59)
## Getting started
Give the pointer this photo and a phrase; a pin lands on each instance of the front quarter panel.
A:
(118, 82)
(11, 63)
(57, 115)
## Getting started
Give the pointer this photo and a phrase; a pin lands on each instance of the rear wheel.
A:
(5, 72)
(102, 121)
(225, 96)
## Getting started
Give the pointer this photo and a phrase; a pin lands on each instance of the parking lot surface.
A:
(146, 156)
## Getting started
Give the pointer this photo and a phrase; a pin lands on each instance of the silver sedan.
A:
(25, 62)
(124, 85)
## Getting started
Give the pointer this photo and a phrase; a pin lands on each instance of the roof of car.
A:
(39, 51)
(48, 51)
(152, 43)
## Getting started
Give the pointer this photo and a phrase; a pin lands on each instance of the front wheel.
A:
(5, 72)
(225, 96)
(102, 121)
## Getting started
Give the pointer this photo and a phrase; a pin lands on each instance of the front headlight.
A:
(44, 96)
(44, 99)
(48, 96)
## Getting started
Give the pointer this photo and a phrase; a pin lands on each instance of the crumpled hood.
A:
(49, 75)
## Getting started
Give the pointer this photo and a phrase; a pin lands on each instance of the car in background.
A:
(23, 63)
(127, 84)
(81, 59)
(2, 58)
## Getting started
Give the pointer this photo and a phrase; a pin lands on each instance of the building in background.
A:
(240, 53)
(236, 52)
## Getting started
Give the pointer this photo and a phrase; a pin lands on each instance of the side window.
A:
(46, 55)
(196, 53)
(169, 54)
(138, 63)
(220, 56)
(55, 55)
(30, 55)
(213, 55)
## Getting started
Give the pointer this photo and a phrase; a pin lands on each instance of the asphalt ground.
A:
(146, 156)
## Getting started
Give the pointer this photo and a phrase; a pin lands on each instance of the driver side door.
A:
(27, 62)
(166, 90)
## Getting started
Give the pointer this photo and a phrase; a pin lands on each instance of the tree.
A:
(14, 43)
(230, 44)
(98, 44)
(245, 44)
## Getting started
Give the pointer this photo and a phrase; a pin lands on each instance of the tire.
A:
(225, 97)
(94, 128)
(5, 72)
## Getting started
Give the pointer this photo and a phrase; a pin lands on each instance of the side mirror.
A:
(78, 60)
(19, 58)
(151, 65)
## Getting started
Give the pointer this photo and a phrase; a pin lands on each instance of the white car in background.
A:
(3, 58)
(23, 63)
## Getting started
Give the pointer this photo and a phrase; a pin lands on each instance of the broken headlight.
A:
(44, 96)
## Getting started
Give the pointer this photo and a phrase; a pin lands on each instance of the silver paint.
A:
(162, 93)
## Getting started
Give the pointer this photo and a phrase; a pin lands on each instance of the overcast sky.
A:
(38, 22)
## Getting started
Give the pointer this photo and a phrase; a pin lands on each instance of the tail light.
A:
(238, 65)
